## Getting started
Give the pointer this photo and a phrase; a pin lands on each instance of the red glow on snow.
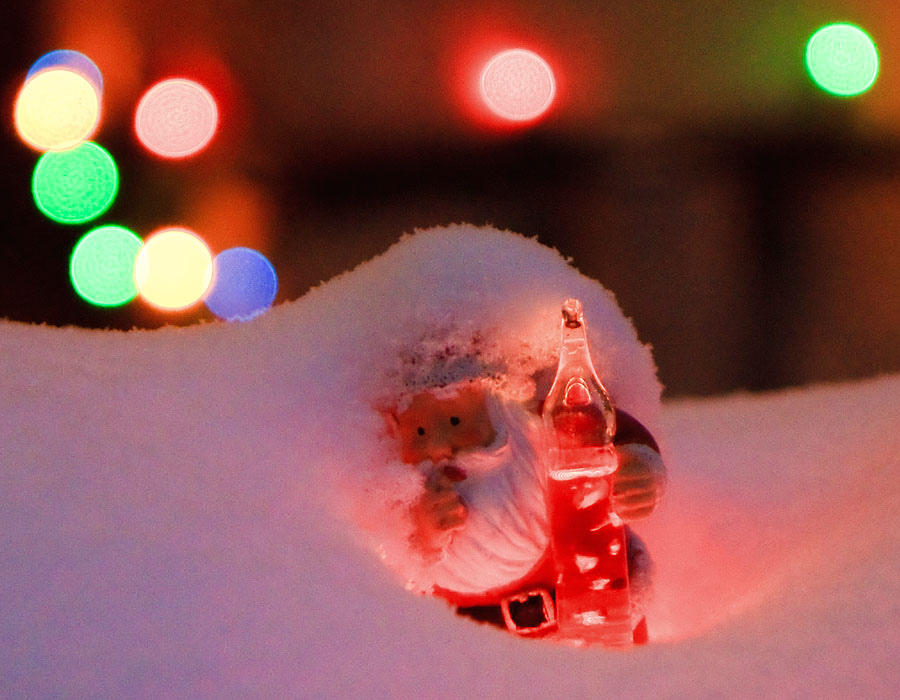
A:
(518, 85)
(176, 118)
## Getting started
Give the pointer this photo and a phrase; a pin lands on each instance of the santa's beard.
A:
(506, 531)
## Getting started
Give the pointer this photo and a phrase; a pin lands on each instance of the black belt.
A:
(531, 613)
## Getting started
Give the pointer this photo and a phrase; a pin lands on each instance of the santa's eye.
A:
(420, 430)
(454, 420)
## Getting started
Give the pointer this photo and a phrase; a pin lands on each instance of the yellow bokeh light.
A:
(57, 109)
(174, 269)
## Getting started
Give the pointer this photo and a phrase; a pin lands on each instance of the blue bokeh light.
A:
(245, 285)
(72, 60)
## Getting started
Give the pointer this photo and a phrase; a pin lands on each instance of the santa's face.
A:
(437, 428)
(498, 478)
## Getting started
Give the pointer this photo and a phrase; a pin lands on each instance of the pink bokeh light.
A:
(176, 118)
(518, 85)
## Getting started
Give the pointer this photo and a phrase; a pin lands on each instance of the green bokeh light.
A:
(102, 265)
(76, 185)
(842, 59)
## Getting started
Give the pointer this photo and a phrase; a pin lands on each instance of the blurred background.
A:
(747, 221)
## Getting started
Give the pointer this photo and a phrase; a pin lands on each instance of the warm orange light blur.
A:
(174, 269)
(231, 211)
(57, 109)
(104, 31)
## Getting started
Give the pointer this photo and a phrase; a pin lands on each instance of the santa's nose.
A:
(440, 451)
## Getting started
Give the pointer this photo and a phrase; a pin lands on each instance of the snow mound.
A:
(168, 524)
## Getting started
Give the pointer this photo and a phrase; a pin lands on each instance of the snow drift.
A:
(168, 523)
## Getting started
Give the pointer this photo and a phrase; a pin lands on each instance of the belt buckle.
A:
(547, 607)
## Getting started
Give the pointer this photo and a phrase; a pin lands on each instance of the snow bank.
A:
(167, 526)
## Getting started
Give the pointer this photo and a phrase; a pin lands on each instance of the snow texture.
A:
(168, 525)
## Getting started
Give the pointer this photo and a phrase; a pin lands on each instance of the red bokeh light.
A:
(468, 61)
(518, 85)
(205, 65)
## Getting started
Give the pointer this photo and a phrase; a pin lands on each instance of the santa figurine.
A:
(480, 523)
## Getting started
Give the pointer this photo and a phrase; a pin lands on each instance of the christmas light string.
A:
(58, 110)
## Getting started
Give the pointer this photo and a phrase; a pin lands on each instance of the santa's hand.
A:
(437, 514)
(639, 482)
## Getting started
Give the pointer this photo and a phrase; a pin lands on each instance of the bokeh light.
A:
(842, 59)
(74, 61)
(176, 118)
(518, 85)
(102, 265)
(174, 269)
(57, 109)
(76, 185)
(245, 287)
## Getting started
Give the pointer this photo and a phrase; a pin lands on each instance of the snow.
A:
(168, 524)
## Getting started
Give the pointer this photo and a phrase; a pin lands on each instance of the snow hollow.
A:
(172, 524)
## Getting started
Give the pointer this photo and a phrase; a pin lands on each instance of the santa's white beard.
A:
(506, 531)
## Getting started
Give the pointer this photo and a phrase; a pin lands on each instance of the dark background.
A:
(747, 222)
